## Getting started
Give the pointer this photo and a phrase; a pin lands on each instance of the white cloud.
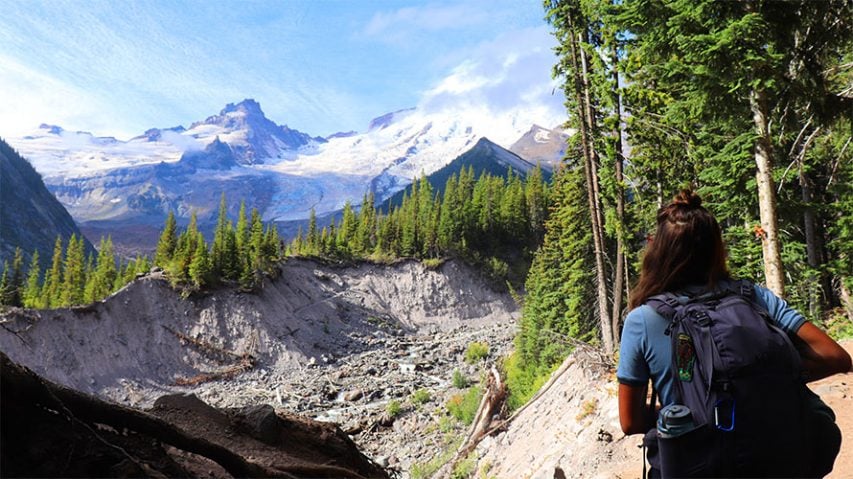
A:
(30, 98)
(506, 80)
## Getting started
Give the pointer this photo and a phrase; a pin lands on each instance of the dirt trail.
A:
(837, 391)
(574, 428)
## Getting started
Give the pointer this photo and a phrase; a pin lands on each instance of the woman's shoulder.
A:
(641, 314)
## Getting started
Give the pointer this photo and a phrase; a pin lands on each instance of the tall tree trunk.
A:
(773, 271)
(619, 279)
(813, 242)
(581, 87)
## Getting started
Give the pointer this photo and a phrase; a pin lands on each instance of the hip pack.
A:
(740, 377)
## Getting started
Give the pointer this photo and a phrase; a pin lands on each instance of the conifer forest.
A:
(750, 103)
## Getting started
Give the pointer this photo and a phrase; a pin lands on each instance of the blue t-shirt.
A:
(646, 352)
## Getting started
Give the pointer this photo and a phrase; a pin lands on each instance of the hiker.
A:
(686, 259)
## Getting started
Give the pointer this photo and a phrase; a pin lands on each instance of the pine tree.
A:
(167, 243)
(15, 280)
(200, 267)
(32, 293)
(220, 239)
(104, 277)
(312, 239)
(52, 289)
(5, 293)
(73, 278)
(560, 285)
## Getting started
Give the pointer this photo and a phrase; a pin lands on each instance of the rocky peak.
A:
(248, 106)
(52, 129)
(383, 121)
(217, 155)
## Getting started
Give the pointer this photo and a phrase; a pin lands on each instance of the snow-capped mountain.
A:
(542, 145)
(254, 138)
(109, 183)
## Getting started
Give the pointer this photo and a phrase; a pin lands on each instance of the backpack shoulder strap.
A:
(741, 287)
(664, 304)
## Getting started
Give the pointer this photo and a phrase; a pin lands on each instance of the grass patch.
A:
(466, 467)
(424, 470)
(394, 408)
(459, 380)
(432, 263)
(420, 397)
(464, 406)
(476, 352)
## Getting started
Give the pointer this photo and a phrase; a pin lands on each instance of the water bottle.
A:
(680, 443)
(675, 420)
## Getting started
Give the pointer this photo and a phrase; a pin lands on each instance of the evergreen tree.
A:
(560, 285)
(15, 280)
(200, 267)
(73, 278)
(219, 251)
(32, 294)
(52, 289)
(167, 243)
(312, 239)
(103, 279)
(5, 293)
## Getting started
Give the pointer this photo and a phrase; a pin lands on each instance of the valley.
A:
(334, 343)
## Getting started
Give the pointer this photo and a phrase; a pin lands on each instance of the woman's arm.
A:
(634, 413)
(821, 355)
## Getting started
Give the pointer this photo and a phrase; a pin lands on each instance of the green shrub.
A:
(432, 263)
(838, 325)
(498, 268)
(464, 406)
(476, 352)
(421, 396)
(424, 470)
(522, 384)
(465, 468)
(394, 408)
(459, 380)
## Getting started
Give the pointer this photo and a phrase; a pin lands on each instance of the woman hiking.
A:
(684, 275)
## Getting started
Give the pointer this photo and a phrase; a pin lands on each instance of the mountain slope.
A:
(30, 216)
(543, 146)
(126, 188)
(484, 157)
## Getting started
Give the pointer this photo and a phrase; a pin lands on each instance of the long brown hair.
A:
(686, 249)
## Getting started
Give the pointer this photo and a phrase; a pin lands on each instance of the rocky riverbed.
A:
(333, 343)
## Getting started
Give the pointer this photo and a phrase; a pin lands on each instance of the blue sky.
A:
(320, 66)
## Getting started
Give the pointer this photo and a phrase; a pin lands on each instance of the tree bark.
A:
(770, 245)
(618, 268)
(813, 242)
(581, 88)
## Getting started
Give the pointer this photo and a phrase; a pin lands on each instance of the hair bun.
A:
(687, 198)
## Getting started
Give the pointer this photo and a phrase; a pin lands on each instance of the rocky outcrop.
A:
(52, 431)
(570, 427)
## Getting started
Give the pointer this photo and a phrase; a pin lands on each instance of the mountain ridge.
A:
(111, 186)
(30, 216)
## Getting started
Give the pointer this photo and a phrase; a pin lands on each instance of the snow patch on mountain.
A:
(54, 151)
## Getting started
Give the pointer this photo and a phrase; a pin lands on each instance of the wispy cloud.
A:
(118, 68)
(506, 77)
(407, 20)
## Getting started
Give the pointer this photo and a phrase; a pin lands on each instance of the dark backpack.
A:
(741, 377)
